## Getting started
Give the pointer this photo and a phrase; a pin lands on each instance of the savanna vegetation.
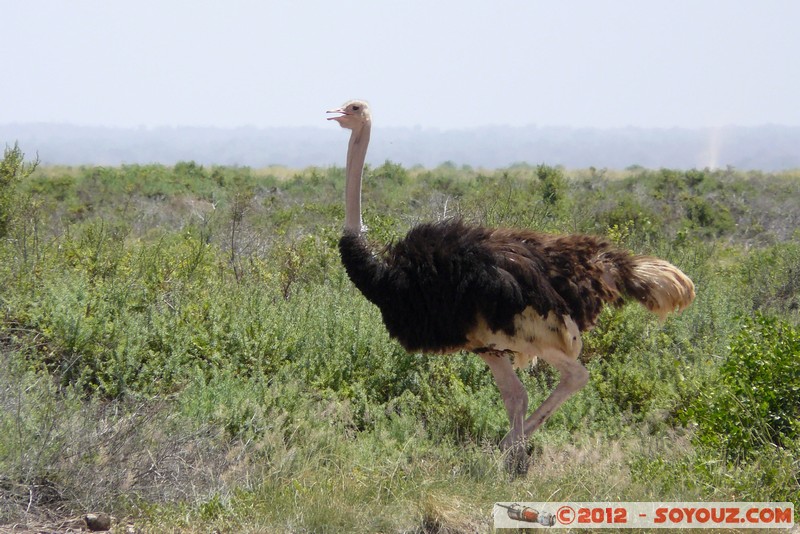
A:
(180, 348)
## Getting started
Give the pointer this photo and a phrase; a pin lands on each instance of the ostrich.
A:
(508, 295)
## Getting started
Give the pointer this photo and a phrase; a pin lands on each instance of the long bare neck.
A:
(356, 155)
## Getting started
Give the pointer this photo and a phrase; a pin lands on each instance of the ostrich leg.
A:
(573, 377)
(515, 399)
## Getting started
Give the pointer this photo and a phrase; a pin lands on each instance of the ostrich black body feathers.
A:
(432, 286)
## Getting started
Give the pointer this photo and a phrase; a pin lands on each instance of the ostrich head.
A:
(354, 115)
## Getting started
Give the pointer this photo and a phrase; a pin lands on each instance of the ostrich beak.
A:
(340, 117)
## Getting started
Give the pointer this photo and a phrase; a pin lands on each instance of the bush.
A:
(13, 170)
(756, 400)
(710, 218)
(773, 278)
(553, 184)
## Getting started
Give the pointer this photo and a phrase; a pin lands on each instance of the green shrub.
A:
(553, 184)
(710, 218)
(755, 402)
(13, 170)
(772, 276)
(391, 174)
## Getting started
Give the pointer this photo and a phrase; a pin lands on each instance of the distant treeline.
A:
(768, 148)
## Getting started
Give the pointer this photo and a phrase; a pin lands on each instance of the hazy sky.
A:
(428, 63)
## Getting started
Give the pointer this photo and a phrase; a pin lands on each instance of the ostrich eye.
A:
(356, 108)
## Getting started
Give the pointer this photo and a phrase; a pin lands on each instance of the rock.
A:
(97, 522)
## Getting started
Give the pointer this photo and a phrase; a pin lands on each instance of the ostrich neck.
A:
(356, 155)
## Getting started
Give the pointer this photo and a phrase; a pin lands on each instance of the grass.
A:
(180, 348)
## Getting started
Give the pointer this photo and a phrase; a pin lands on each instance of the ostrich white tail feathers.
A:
(662, 287)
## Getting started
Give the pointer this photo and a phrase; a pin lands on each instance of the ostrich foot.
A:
(516, 458)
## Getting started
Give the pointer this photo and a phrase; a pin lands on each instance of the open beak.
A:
(337, 110)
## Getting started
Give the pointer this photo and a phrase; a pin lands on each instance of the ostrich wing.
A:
(519, 280)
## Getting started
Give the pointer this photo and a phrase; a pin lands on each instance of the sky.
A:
(420, 63)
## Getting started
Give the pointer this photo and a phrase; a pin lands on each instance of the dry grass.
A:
(71, 456)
